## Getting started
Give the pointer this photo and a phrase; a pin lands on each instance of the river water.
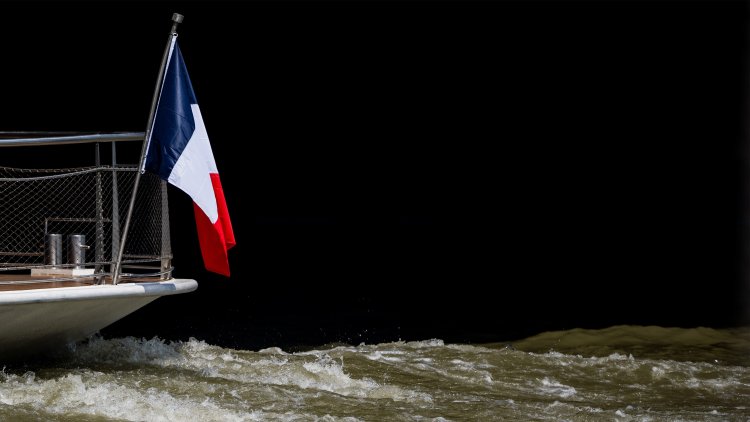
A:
(622, 373)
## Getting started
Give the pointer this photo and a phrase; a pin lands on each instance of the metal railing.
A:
(82, 203)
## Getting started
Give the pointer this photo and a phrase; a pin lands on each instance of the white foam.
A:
(272, 351)
(313, 370)
(552, 387)
(130, 350)
(91, 393)
(426, 343)
(380, 355)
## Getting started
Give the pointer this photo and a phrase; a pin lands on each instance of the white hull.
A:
(35, 321)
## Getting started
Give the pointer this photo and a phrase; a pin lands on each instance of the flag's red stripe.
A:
(215, 238)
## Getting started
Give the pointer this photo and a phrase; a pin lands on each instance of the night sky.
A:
(466, 171)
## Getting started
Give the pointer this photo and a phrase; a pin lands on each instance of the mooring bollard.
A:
(77, 250)
(53, 249)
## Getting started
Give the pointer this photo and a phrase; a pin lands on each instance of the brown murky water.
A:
(621, 373)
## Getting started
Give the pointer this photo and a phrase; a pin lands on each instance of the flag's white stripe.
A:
(164, 77)
(192, 171)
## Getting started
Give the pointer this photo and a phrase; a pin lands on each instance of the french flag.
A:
(178, 151)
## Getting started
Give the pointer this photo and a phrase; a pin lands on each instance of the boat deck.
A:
(12, 282)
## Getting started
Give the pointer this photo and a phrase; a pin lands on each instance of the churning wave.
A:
(620, 373)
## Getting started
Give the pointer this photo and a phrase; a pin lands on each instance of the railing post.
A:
(115, 210)
(99, 241)
(166, 244)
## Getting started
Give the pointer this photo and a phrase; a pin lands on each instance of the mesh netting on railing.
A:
(91, 201)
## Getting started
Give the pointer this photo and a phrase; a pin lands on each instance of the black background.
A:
(468, 171)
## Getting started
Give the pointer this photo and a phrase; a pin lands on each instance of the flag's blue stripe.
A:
(174, 123)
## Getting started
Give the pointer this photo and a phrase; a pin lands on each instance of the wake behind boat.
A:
(81, 247)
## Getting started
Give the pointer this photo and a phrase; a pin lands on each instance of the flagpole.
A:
(176, 20)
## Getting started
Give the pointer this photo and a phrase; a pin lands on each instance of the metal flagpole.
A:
(176, 19)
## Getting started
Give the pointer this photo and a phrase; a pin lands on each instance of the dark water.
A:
(621, 373)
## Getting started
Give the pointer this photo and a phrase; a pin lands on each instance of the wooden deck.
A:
(12, 282)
